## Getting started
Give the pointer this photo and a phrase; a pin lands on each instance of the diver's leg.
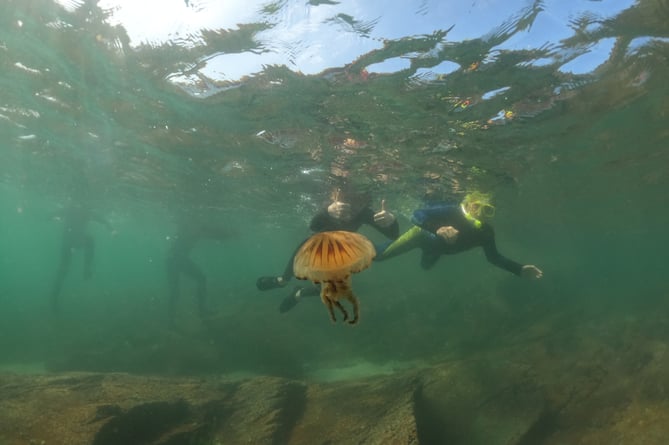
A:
(409, 240)
(61, 273)
(193, 270)
(309, 290)
(288, 270)
(272, 282)
(428, 260)
(431, 247)
(89, 255)
(173, 278)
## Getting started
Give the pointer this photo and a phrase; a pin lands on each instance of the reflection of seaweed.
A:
(582, 24)
(155, 135)
(362, 28)
(322, 2)
(423, 8)
(521, 21)
(273, 7)
(663, 6)
(234, 41)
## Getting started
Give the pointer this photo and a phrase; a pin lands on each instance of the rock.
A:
(377, 410)
(105, 409)
(462, 403)
(478, 402)
(524, 394)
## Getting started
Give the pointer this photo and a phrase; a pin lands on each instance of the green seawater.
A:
(577, 163)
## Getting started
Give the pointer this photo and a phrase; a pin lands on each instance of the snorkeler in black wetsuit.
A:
(348, 211)
(178, 262)
(447, 229)
(75, 236)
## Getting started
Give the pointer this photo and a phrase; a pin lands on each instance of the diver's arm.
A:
(339, 210)
(448, 233)
(57, 215)
(499, 260)
(320, 221)
(218, 233)
(366, 216)
(385, 222)
(392, 231)
(101, 220)
(531, 271)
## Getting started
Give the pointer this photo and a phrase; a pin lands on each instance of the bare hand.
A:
(531, 271)
(340, 210)
(383, 218)
(448, 233)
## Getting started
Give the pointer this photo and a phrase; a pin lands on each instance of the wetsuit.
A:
(75, 236)
(323, 222)
(471, 234)
(178, 262)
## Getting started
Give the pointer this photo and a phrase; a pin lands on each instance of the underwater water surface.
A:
(246, 115)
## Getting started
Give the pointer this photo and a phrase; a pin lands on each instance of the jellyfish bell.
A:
(330, 258)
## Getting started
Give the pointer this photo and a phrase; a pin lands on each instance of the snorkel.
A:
(476, 206)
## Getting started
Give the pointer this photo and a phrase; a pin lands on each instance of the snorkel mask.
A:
(476, 206)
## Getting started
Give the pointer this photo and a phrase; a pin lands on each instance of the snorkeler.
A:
(178, 262)
(348, 211)
(446, 229)
(75, 236)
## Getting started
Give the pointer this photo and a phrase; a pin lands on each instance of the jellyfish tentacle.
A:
(330, 307)
(356, 307)
(341, 308)
(326, 289)
(332, 314)
(345, 290)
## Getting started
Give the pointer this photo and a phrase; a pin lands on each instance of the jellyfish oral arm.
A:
(332, 292)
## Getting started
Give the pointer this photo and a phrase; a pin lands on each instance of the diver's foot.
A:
(291, 300)
(267, 283)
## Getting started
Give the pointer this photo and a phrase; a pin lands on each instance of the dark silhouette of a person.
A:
(179, 263)
(75, 237)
